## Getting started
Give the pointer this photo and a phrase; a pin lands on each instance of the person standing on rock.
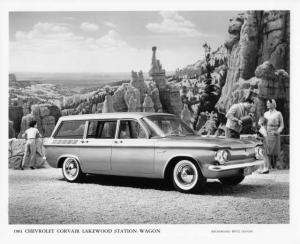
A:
(31, 136)
(234, 124)
(274, 127)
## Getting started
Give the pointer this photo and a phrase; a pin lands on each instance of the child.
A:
(262, 134)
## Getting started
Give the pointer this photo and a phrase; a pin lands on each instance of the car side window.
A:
(71, 129)
(102, 129)
(131, 129)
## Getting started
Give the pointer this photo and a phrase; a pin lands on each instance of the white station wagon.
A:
(151, 145)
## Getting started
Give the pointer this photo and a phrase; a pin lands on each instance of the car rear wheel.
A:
(233, 180)
(187, 177)
(71, 170)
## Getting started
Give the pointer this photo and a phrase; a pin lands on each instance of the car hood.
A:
(206, 142)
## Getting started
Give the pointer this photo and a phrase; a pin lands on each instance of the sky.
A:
(111, 41)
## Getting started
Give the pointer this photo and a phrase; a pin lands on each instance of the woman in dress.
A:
(274, 128)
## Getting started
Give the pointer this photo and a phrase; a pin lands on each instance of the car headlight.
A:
(259, 153)
(222, 156)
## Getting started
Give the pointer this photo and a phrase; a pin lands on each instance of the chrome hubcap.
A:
(71, 169)
(185, 175)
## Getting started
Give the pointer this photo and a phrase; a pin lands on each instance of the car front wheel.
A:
(187, 177)
(71, 170)
(233, 180)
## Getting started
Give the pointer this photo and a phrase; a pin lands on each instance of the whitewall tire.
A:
(71, 170)
(187, 177)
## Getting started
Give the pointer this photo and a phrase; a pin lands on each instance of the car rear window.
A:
(71, 130)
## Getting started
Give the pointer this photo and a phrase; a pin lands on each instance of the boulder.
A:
(16, 149)
(265, 71)
(16, 152)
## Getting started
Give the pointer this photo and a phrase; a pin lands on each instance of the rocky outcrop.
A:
(132, 104)
(46, 116)
(15, 114)
(169, 94)
(121, 98)
(148, 105)
(273, 84)
(156, 71)
(138, 90)
(108, 104)
(138, 82)
(274, 45)
(268, 83)
(16, 148)
(254, 38)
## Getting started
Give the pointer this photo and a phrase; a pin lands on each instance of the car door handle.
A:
(117, 142)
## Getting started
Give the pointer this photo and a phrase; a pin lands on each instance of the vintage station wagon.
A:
(152, 145)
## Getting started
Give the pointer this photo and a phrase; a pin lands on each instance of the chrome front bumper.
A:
(218, 168)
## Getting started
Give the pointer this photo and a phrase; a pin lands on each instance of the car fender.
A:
(182, 155)
(68, 156)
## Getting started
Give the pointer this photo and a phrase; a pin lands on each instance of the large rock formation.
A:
(256, 37)
(108, 104)
(148, 105)
(274, 45)
(15, 114)
(138, 82)
(169, 94)
(273, 84)
(156, 71)
(46, 116)
(130, 96)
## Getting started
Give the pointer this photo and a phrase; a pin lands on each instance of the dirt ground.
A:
(43, 197)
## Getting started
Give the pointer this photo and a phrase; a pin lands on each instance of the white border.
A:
(170, 233)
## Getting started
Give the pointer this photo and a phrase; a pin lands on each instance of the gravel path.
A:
(43, 197)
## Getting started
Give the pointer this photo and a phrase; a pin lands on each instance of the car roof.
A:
(118, 115)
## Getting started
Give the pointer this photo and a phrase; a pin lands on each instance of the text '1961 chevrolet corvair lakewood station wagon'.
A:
(151, 145)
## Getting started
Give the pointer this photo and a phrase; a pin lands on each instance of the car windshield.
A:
(166, 125)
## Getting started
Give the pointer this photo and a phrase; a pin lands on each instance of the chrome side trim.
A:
(218, 168)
